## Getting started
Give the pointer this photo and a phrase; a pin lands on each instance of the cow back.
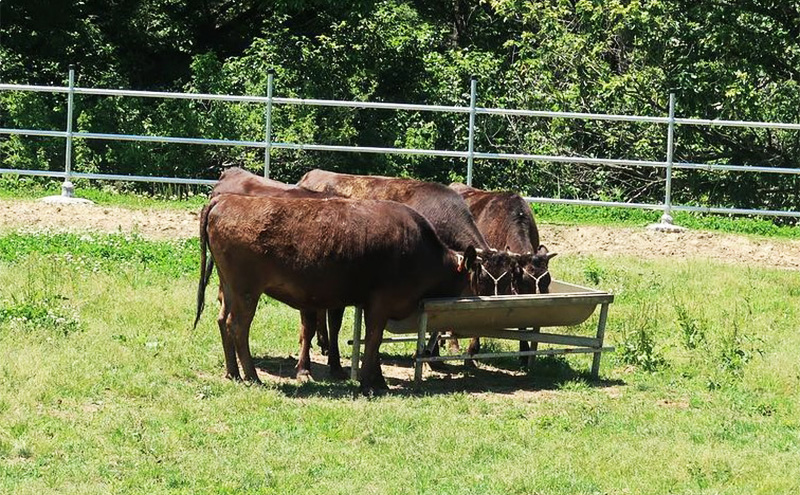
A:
(329, 253)
(239, 181)
(440, 205)
(504, 218)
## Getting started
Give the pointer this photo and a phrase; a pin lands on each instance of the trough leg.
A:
(601, 331)
(355, 356)
(423, 328)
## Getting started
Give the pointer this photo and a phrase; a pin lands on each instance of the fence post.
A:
(667, 216)
(268, 123)
(471, 147)
(67, 189)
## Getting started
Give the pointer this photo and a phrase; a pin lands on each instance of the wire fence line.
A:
(469, 155)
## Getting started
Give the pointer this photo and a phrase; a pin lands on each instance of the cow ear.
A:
(470, 255)
(542, 250)
(551, 255)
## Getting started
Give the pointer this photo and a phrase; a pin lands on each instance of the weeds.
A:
(593, 272)
(737, 349)
(49, 313)
(638, 346)
(692, 331)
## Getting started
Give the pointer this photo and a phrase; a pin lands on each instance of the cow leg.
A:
(242, 309)
(322, 333)
(334, 358)
(524, 346)
(228, 345)
(372, 381)
(474, 348)
(308, 327)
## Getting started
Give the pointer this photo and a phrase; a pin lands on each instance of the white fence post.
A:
(471, 147)
(667, 216)
(268, 124)
(67, 189)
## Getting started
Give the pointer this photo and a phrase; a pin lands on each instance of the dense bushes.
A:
(724, 60)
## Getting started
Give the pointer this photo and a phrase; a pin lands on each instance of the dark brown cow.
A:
(440, 205)
(239, 181)
(443, 207)
(318, 254)
(505, 219)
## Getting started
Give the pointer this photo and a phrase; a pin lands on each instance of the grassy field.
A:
(104, 388)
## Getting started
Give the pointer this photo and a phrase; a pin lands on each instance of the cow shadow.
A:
(506, 377)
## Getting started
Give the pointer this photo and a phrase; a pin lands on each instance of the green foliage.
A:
(104, 251)
(593, 272)
(691, 328)
(723, 60)
(638, 344)
(47, 312)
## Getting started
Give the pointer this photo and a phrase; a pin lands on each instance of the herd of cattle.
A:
(336, 240)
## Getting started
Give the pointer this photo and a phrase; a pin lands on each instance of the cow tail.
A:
(206, 262)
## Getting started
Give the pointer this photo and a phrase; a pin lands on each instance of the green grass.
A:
(111, 194)
(105, 388)
(630, 217)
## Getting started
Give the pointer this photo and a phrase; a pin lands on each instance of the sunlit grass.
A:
(112, 391)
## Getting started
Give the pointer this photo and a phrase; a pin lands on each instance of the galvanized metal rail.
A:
(470, 155)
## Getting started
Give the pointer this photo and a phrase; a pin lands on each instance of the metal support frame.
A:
(356, 356)
(601, 332)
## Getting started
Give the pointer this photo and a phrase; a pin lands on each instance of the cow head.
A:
(495, 272)
(534, 276)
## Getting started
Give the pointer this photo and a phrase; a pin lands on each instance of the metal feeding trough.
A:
(518, 317)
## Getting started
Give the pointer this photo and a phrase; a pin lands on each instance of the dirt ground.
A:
(600, 241)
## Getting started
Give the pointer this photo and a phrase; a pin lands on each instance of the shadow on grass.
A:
(501, 376)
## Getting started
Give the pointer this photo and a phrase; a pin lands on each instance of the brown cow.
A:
(444, 209)
(441, 206)
(235, 180)
(318, 254)
(506, 221)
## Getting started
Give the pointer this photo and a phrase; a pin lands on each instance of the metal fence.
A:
(470, 155)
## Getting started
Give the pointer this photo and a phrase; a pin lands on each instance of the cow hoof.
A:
(253, 381)
(303, 376)
(338, 374)
(437, 365)
(233, 377)
(471, 363)
(371, 392)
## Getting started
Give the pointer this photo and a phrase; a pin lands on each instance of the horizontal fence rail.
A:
(470, 154)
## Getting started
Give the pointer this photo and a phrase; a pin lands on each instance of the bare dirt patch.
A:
(585, 240)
